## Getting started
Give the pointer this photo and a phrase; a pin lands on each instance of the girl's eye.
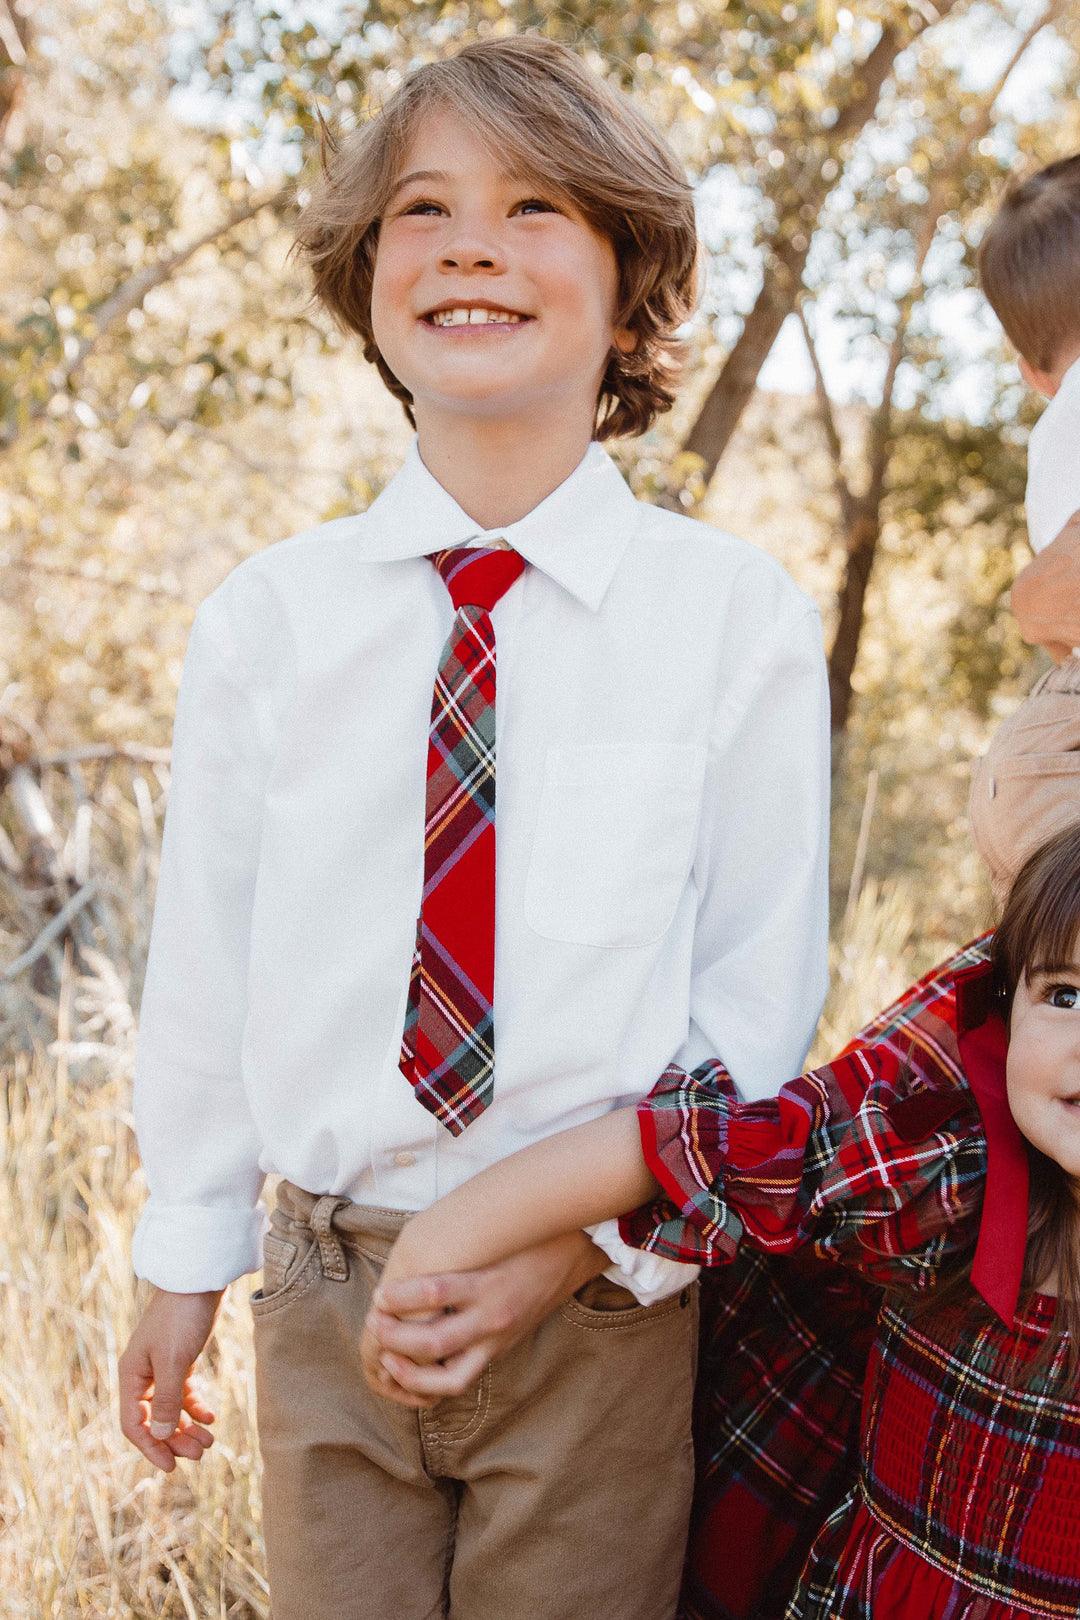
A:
(536, 205)
(1066, 996)
(422, 207)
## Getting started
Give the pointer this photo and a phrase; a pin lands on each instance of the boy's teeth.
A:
(473, 317)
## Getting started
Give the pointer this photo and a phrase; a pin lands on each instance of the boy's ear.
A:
(1043, 382)
(625, 340)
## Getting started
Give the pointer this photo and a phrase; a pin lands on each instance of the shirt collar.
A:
(998, 1267)
(577, 535)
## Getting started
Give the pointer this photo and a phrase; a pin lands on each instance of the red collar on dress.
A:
(998, 1267)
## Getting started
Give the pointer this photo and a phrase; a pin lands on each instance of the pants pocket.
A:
(614, 1308)
(290, 1266)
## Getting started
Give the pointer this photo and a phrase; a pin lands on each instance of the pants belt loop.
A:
(334, 1263)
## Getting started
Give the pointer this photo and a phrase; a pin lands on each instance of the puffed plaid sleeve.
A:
(873, 1160)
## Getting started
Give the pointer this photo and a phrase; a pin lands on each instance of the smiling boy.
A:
(506, 651)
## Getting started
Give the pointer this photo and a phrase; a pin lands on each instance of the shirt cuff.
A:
(188, 1249)
(649, 1277)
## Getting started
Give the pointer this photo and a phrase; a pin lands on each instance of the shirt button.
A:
(404, 1159)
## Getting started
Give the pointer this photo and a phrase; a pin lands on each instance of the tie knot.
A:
(478, 576)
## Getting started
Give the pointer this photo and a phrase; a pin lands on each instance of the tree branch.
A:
(131, 293)
(828, 421)
(785, 261)
(864, 531)
(52, 931)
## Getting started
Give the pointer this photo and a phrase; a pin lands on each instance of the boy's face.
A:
(1042, 1070)
(538, 285)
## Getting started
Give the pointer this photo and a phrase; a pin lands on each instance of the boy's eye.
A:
(423, 206)
(536, 205)
(1066, 996)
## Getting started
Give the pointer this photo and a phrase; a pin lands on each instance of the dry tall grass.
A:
(89, 1529)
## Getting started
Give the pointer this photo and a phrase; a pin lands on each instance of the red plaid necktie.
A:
(448, 1046)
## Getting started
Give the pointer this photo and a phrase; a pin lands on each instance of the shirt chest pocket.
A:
(614, 843)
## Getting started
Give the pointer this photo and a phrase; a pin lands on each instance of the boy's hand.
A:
(1046, 595)
(159, 1411)
(429, 1337)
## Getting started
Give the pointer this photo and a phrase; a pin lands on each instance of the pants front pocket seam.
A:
(292, 1291)
(617, 1321)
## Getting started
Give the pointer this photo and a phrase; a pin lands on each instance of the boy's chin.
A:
(485, 403)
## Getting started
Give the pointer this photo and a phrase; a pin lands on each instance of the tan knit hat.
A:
(1026, 787)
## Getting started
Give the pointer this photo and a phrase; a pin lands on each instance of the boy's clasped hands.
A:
(430, 1333)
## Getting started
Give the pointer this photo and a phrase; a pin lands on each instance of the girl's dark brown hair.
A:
(537, 105)
(1039, 930)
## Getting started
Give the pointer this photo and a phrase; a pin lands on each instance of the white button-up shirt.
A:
(662, 826)
(1053, 480)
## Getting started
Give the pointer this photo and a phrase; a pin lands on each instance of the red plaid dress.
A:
(879, 1161)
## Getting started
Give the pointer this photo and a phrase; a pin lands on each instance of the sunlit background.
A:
(169, 403)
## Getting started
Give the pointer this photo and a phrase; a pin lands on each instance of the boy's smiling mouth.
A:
(473, 314)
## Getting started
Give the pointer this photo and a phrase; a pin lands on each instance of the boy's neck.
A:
(1047, 383)
(497, 470)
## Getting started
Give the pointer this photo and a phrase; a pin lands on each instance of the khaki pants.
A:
(557, 1488)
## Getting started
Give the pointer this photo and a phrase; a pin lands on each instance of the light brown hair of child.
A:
(545, 113)
(1029, 266)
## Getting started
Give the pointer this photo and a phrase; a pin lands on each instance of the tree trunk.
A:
(862, 541)
(784, 262)
(730, 393)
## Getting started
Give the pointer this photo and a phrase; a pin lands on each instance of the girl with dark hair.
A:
(939, 1157)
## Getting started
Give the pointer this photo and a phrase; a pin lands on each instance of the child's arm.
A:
(561, 1184)
(873, 1159)
(1046, 595)
(197, 1137)
(513, 1235)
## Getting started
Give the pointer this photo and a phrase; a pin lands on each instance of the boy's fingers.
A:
(196, 1408)
(424, 1341)
(167, 1401)
(379, 1379)
(449, 1378)
(133, 1380)
(441, 1293)
(155, 1451)
(190, 1442)
(388, 1389)
(134, 1376)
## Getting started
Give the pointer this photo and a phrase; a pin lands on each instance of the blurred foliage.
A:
(169, 401)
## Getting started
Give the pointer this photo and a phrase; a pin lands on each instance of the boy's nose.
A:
(463, 259)
(470, 248)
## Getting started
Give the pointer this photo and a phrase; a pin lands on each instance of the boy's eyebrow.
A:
(519, 176)
(418, 174)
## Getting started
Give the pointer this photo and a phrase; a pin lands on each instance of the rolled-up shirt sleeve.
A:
(201, 1227)
(760, 961)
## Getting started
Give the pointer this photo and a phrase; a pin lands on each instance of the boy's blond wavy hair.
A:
(545, 113)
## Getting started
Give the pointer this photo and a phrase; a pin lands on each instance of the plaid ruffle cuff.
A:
(877, 1160)
(684, 1123)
